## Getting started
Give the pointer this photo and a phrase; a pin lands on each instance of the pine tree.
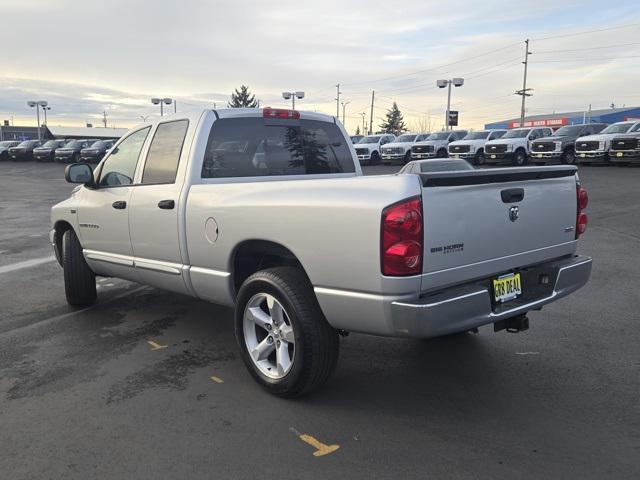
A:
(394, 123)
(243, 98)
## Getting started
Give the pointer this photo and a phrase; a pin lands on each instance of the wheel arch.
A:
(59, 228)
(251, 256)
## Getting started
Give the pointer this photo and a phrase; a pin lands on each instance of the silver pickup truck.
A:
(266, 210)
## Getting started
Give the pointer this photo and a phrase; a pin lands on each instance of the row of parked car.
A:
(584, 143)
(64, 151)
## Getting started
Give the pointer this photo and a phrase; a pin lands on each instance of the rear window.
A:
(251, 147)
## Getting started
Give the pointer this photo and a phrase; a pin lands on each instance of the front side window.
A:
(164, 153)
(251, 147)
(120, 166)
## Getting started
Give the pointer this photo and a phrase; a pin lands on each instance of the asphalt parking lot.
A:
(149, 384)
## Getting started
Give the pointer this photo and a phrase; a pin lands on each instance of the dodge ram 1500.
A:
(267, 211)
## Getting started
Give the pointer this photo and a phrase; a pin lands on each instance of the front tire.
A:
(374, 159)
(442, 153)
(480, 159)
(286, 343)
(568, 157)
(519, 157)
(79, 279)
(407, 157)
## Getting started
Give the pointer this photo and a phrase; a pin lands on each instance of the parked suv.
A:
(435, 145)
(515, 145)
(95, 151)
(5, 146)
(561, 146)
(368, 148)
(595, 148)
(400, 148)
(71, 151)
(24, 150)
(46, 152)
(471, 147)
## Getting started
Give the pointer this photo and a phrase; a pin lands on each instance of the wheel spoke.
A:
(259, 317)
(283, 361)
(263, 349)
(286, 331)
(275, 309)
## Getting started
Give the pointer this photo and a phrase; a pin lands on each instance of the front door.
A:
(103, 212)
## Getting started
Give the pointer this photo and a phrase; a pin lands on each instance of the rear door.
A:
(486, 221)
(155, 209)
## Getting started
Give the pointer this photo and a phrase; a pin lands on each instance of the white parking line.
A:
(26, 264)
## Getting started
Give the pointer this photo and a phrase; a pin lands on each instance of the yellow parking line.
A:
(321, 448)
(156, 346)
(216, 379)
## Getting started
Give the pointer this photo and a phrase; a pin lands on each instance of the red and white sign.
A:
(546, 122)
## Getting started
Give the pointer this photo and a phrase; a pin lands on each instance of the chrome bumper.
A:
(419, 156)
(469, 306)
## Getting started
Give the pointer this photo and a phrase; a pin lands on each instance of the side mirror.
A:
(79, 173)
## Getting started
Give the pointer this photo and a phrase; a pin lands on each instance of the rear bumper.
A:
(469, 306)
(455, 309)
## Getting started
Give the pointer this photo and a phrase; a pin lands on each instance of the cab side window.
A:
(119, 168)
(164, 153)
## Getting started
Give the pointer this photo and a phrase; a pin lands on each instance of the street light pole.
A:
(37, 104)
(293, 95)
(344, 118)
(457, 82)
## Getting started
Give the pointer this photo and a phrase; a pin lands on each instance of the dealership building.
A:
(555, 120)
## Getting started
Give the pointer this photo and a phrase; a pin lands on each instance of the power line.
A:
(585, 32)
(437, 67)
(567, 60)
(587, 48)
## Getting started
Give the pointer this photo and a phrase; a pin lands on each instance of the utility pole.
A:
(524, 92)
(364, 128)
(446, 118)
(373, 96)
(175, 106)
(338, 101)
(104, 118)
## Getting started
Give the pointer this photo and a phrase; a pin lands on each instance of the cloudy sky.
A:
(86, 57)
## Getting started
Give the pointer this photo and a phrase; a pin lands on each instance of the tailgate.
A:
(483, 222)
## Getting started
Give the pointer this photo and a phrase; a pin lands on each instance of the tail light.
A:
(402, 238)
(280, 113)
(581, 218)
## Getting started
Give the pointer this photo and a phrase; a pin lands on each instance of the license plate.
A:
(619, 154)
(455, 156)
(583, 155)
(539, 155)
(507, 287)
(493, 156)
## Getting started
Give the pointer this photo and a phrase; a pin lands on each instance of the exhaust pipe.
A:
(513, 324)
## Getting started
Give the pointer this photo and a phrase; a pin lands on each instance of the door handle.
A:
(166, 204)
(119, 205)
(511, 195)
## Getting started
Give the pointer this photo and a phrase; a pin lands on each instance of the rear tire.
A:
(313, 348)
(79, 279)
